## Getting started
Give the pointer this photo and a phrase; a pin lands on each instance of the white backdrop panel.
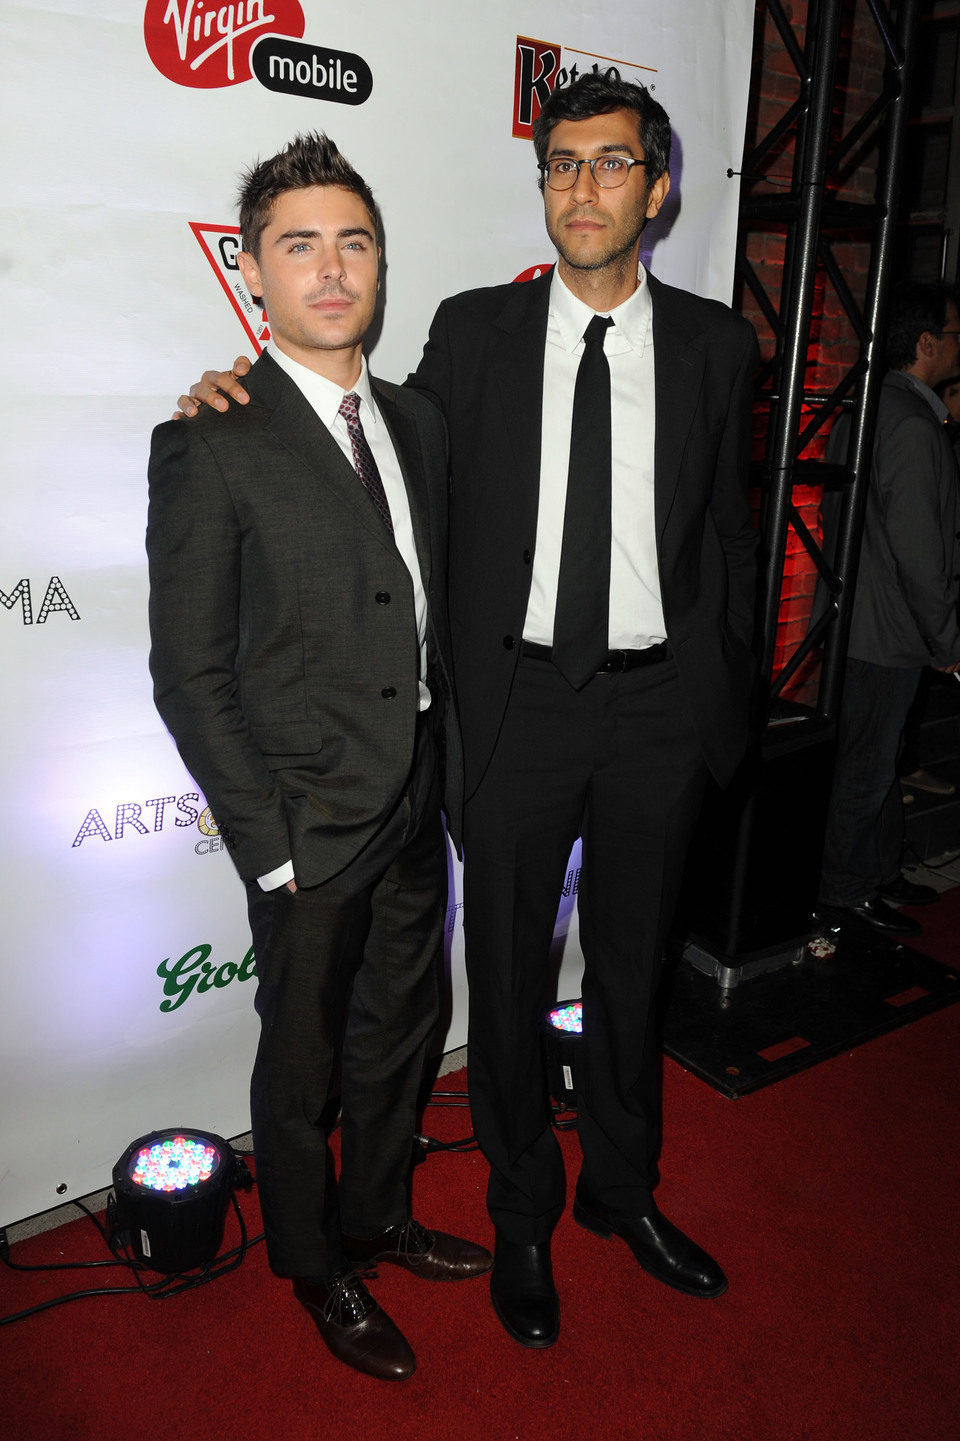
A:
(112, 870)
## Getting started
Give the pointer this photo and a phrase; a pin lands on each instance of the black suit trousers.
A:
(348, 998)
(618, 764)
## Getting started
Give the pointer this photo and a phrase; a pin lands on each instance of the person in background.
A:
(904, 614)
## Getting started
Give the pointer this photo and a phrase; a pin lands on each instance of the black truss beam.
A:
(811, 219)
(754, 871)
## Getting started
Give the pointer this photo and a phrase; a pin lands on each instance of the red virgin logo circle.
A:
(206, 45)
(534, 272)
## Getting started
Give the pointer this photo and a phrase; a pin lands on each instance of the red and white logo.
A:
(541, 65)
(533, 272)
(205, 45)
(220, 244)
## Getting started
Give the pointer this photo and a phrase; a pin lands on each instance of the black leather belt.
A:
(615, 661)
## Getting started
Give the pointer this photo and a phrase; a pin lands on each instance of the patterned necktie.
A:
(363, 461)
(581, 624)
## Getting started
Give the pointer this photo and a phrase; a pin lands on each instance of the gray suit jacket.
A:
(282, 621)
(908, 585)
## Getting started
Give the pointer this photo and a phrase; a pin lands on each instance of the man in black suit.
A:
(606, 735)
(904, 614)
(301, 662)
(601, 605)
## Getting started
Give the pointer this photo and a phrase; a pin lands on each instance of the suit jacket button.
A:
(388, 692)
(382, 597)
(527, 557)
(508, 642)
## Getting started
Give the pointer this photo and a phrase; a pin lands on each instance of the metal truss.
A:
(755, 866)
(812, 220)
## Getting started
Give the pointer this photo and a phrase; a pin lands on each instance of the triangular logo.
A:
(220, 244)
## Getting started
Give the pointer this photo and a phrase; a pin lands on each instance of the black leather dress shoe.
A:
(355, 1328)
(902, 892)
(433, 1255)
(873, 915)
(657, 1244)
(523, 1294)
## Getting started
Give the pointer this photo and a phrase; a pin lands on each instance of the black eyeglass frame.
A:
(544, 169)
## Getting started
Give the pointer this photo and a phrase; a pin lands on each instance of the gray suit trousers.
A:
(348, 998)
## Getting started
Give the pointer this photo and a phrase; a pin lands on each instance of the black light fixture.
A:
(171, 1190)
(562, 1042)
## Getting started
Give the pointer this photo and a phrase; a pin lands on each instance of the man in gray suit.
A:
(301, 662)
(904, 614)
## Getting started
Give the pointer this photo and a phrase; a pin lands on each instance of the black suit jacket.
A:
(483, 364)
(282, 621)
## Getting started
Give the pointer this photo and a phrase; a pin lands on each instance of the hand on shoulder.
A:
(214, 389)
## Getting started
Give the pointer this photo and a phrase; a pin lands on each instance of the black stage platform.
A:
(774, 1025)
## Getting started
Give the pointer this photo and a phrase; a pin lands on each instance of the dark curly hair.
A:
(915, 309)
(596, 94)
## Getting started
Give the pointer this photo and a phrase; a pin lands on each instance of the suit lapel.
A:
(296, 425)
(406, 444)
(678, 367)
(518, 368)
(521, 328)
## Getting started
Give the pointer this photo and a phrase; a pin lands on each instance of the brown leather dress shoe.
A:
(433, 1255)
(355, 1328)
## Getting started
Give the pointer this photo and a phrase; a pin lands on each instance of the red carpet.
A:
(830, 1199)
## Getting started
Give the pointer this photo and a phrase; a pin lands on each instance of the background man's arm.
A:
(906, 470)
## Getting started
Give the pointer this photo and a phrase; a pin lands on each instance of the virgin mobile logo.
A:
(193, 42)
(206, 46)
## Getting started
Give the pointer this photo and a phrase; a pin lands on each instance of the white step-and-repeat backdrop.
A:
(127, 976)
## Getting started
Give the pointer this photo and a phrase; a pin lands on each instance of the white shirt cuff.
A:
(273, 880)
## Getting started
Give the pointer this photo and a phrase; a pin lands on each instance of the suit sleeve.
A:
(432, 376)
(907, 469)
(731, 513)
(194, 552)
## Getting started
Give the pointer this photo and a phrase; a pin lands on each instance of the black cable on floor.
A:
(172, 1285)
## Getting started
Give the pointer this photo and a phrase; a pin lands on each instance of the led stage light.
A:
(171, 1191)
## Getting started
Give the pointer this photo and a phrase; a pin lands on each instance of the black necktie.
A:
(581, 624)
(363, 461)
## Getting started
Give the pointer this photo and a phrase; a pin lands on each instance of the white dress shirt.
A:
(325, 396)
(636, 608)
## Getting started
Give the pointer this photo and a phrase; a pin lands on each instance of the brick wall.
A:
(833, 345)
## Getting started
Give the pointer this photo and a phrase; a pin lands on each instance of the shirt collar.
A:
(325, 395)
(570, 316)
(930, 396)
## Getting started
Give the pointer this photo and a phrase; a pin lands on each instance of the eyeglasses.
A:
(608, 171)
